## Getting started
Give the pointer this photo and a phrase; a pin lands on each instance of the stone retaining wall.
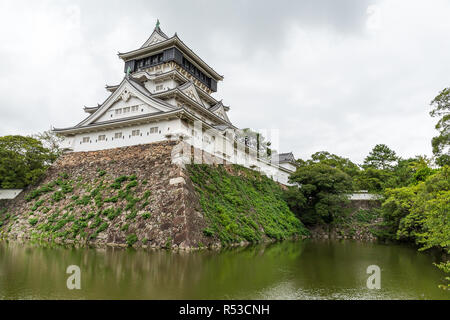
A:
(175, 218)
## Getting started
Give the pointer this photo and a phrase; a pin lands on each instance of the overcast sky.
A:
(331, 75)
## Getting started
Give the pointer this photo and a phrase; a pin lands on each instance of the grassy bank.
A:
(243, 205)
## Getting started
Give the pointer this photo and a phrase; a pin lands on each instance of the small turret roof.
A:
(286, 157)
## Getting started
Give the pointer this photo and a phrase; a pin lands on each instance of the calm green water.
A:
(288, 270)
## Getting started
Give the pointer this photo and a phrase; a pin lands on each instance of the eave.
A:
(181, 113)
(112, 88)
(172, 74)
(173, 41)
(91, 109)
(140, 91)
(118, 123)
(201, 109)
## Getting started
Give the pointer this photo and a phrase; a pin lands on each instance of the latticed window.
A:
(118, 135)
(101, 137)
(86, 139)
(154, 130)
(135, 133)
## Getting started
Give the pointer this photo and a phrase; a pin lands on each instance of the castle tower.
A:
(165, 94)
(166, 87)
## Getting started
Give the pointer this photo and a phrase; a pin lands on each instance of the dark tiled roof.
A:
(175, 38)
(286, 157)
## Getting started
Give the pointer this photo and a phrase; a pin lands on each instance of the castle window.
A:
(86, 139)
(118, 111)
(135, 133)
(126, 110)
(134, 108)
(154, 130)
(101, 137)
(118, 135)
(159, 87)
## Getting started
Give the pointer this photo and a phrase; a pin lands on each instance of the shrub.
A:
(33, 221)
(121, 179)
(116, 185)
(64, 175)
(131, 239)
(98, 200)
(66, 188)
(146, 195)
(208, 232)
(111, 213)
(146, 215)
(37, 205)
(101, 173)
(103, 227)
(112, 199)
(132, 184)
(85, 200)
(168, 244)
(132, 215)
(58, 196)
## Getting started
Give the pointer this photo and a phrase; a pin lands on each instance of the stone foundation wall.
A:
(358, 223)
(170, 216)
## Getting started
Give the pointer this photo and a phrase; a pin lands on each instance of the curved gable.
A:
(127, 95)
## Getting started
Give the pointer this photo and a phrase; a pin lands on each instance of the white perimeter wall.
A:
(210, 141)
(9, 193)
(164, 127)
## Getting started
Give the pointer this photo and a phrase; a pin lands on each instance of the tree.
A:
(373, 180)
(381, 157)
(51, 141)
(441, 143)
(23, 160)
(420, 212)
(319, 194)
(335, 161)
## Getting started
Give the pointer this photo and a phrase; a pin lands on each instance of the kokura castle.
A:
(167, 94)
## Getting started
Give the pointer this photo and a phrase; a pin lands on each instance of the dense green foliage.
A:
(399, 174)
(320, 192)
(420, 212)
(23, 160)
(243, 205)
(441, 143)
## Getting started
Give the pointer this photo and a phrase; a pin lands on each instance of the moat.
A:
(289, 270)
